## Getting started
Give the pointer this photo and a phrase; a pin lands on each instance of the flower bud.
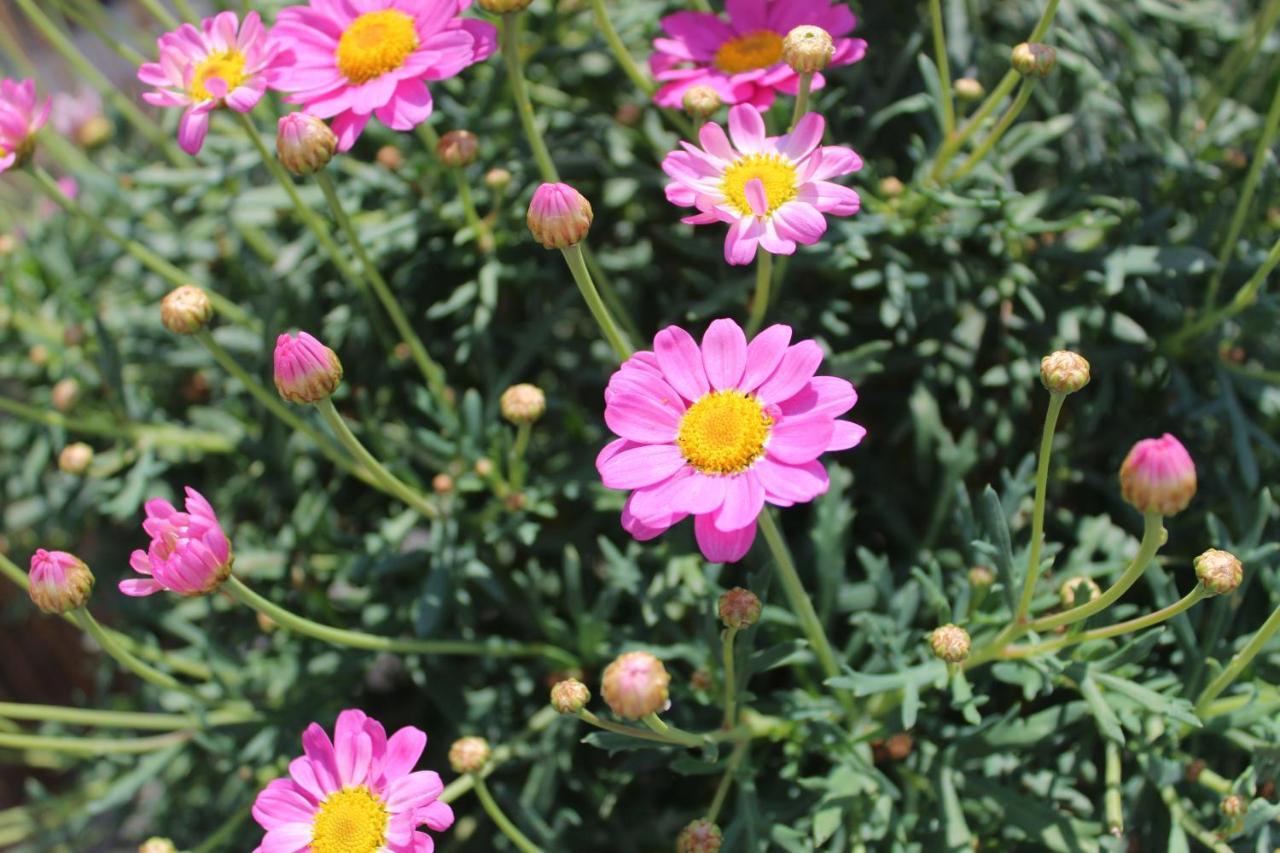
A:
(700, 836)
(701, 101)
(950, 643)
(157, 845)
(504, 7)
(497, 179)
(570, 696)
(390, 158)
(969, 89)
(1219, 571)
(458, 148)
(523, 403)
(1064, 372)
(1071, 588)
(75, 458)
(442, 484)
(484, 467)
(65, 394)
(1158, 476)
(891, 187)
(307, 371)
(304, 143)
(185, 310)
(808, 49)
(59, 582)
(635, 685)
(469, 755)
(94, 132)
(559, 217)
(1033, 59)
(981, 577)
(739, 608)
(1234, 806)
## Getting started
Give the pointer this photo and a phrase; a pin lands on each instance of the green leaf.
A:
(1149, 700)
(1106, 718)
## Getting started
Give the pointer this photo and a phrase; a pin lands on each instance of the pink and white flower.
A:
(21, 115)
(189, 553)
(223, 63)
(355, 59)
(355, 794)
(718, 430)
(771, 190)
(741, 58)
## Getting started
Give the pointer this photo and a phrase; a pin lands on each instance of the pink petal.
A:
(792, 484)
(643, 531)
(827, 395)
(724, 353)
(318, 748)
(681, 362)
(800, 142)
(846, 434)
(720, 547)
(303, 774)
(743, 500)
(746, 129)
(289, 838)
(641, 466)
(757, 198)
(794, 370)
(437, 816)
(192, 130)
(642, 418)
(763, 355)
(800, 440)
(280, 803)
(139, 587)
(413, 791)
(404, 748)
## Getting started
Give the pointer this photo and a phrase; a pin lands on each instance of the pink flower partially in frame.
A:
(717, 431)
(741, 58)
(189, 552)
(772, 191)
(21, 115)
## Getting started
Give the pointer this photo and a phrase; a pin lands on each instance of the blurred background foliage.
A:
(1095, 224)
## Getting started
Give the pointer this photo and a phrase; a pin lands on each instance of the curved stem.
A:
(658, 725)
(1119, 629)
(630, 731)
(1245, 297)
(730, 689)
(496, 814)
(93, 746)
(612, 334)
(760, 301)
(125, 719)
(128, 661)
(1242, 658)
(520, 93)
(1037, 515)
(726, 781)
(984, 148)
(359, 640)
(944, 68)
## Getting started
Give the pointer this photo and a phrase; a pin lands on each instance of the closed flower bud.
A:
(65, 394)
(469, 755)
(701, 101)
(1064, 372)
(1158, 476)
(1033, 59)
(390, 158)
(969, 89)
(305, 143)
(458, 148)
(75, 458)
(484, 467)
(1234, 806)
(504, 7)
(185, 310)
(307, 371)
(1070, 589)
(700, 836)
(59, 582)
(635, 685)
(497, 179)
(523, 403)
(442, 484)
(93, 132)
(739, 608)
(891, 187)
(808, 49)
(1219, 571)
(950, 643)
(157, 845)
(559, 216)
(981, 577)
(570, 696)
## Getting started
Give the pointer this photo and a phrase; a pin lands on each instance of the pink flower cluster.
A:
(189, 553)
(21, 115)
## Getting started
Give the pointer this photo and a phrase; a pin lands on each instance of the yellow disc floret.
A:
(724, 432)
(772, 170)
(760, 49)
(353, 820)
(227, 66)
(375, 43)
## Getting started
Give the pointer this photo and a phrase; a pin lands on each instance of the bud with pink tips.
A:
(21, 115)
(635, 685)
(559, 216)
(189, 552)
(1158, 476)
(59, 582)
(307, 371)
(304, 143)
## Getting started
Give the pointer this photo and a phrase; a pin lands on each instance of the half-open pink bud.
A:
(59, 582)
(559, 216)
(1158, 476)
(635, 685)
(307, 371)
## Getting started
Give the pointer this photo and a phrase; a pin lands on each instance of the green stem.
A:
(371, 642)
(128, 661)
(502, 753)
(1260, 157)
(726, 781)
(88, 14)
(1114, 803)
(802, 99)
(382, 479)
(125, 719)
(578, 267)
(185, 10)
(1241, 55)
(161, 14)
(984, 148)
(152, 435)
(730, 689)
(760, 301)
(431, 371)
(944, 68)
(509, 829)
(520, 93)
(1189, 824)
(1037, 516)
(1244, 298)
(1119, 629)
(516, 466)
(630, 731)
(1242, 658)
(93, 746)
(658, 726)
(483, 236)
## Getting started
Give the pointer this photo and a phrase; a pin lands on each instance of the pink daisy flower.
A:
(221, 64)
(717, 431)
(742, 58)
(361, 58)
(21, 115)
(772, 190)
(355, 794)
(189, 554)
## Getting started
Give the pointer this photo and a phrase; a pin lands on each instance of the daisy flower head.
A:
(21, 115)
(718, 430)
(771, 190)
(357, 793)
(355, 59)
(223, 63)
(741, 58)
(189, 552)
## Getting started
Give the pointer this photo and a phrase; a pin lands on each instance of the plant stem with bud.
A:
(1037, 515)
(1241, 659)
(128, 661)
(726, 781)
(491, 807)
(730, 688)
(802, 100)
(578, 267)
(520, 93)
(984, 148)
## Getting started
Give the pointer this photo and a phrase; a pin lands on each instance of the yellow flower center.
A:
(375, 43)
(227, 66)
(724, 432)
(777, 175)
(352, 820)
(760, 49)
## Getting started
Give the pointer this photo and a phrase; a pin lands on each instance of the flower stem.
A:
(93, 746)
(944, 68)
(371, 642)
(502, 753)
(630, 731)
(1037, 516)
(1244, 298)
(515, 463)
(657, 725)
(125, 719)
(1114, 803)
(730, 689)
(802, 98)
(1242, 658)
(984, 148)
(152, 435)
(160, 13)
(726, 781)
(128, 661)
(578, 267)
(509, 829)
(1239, 59)
(520, 92)
(760, 301)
